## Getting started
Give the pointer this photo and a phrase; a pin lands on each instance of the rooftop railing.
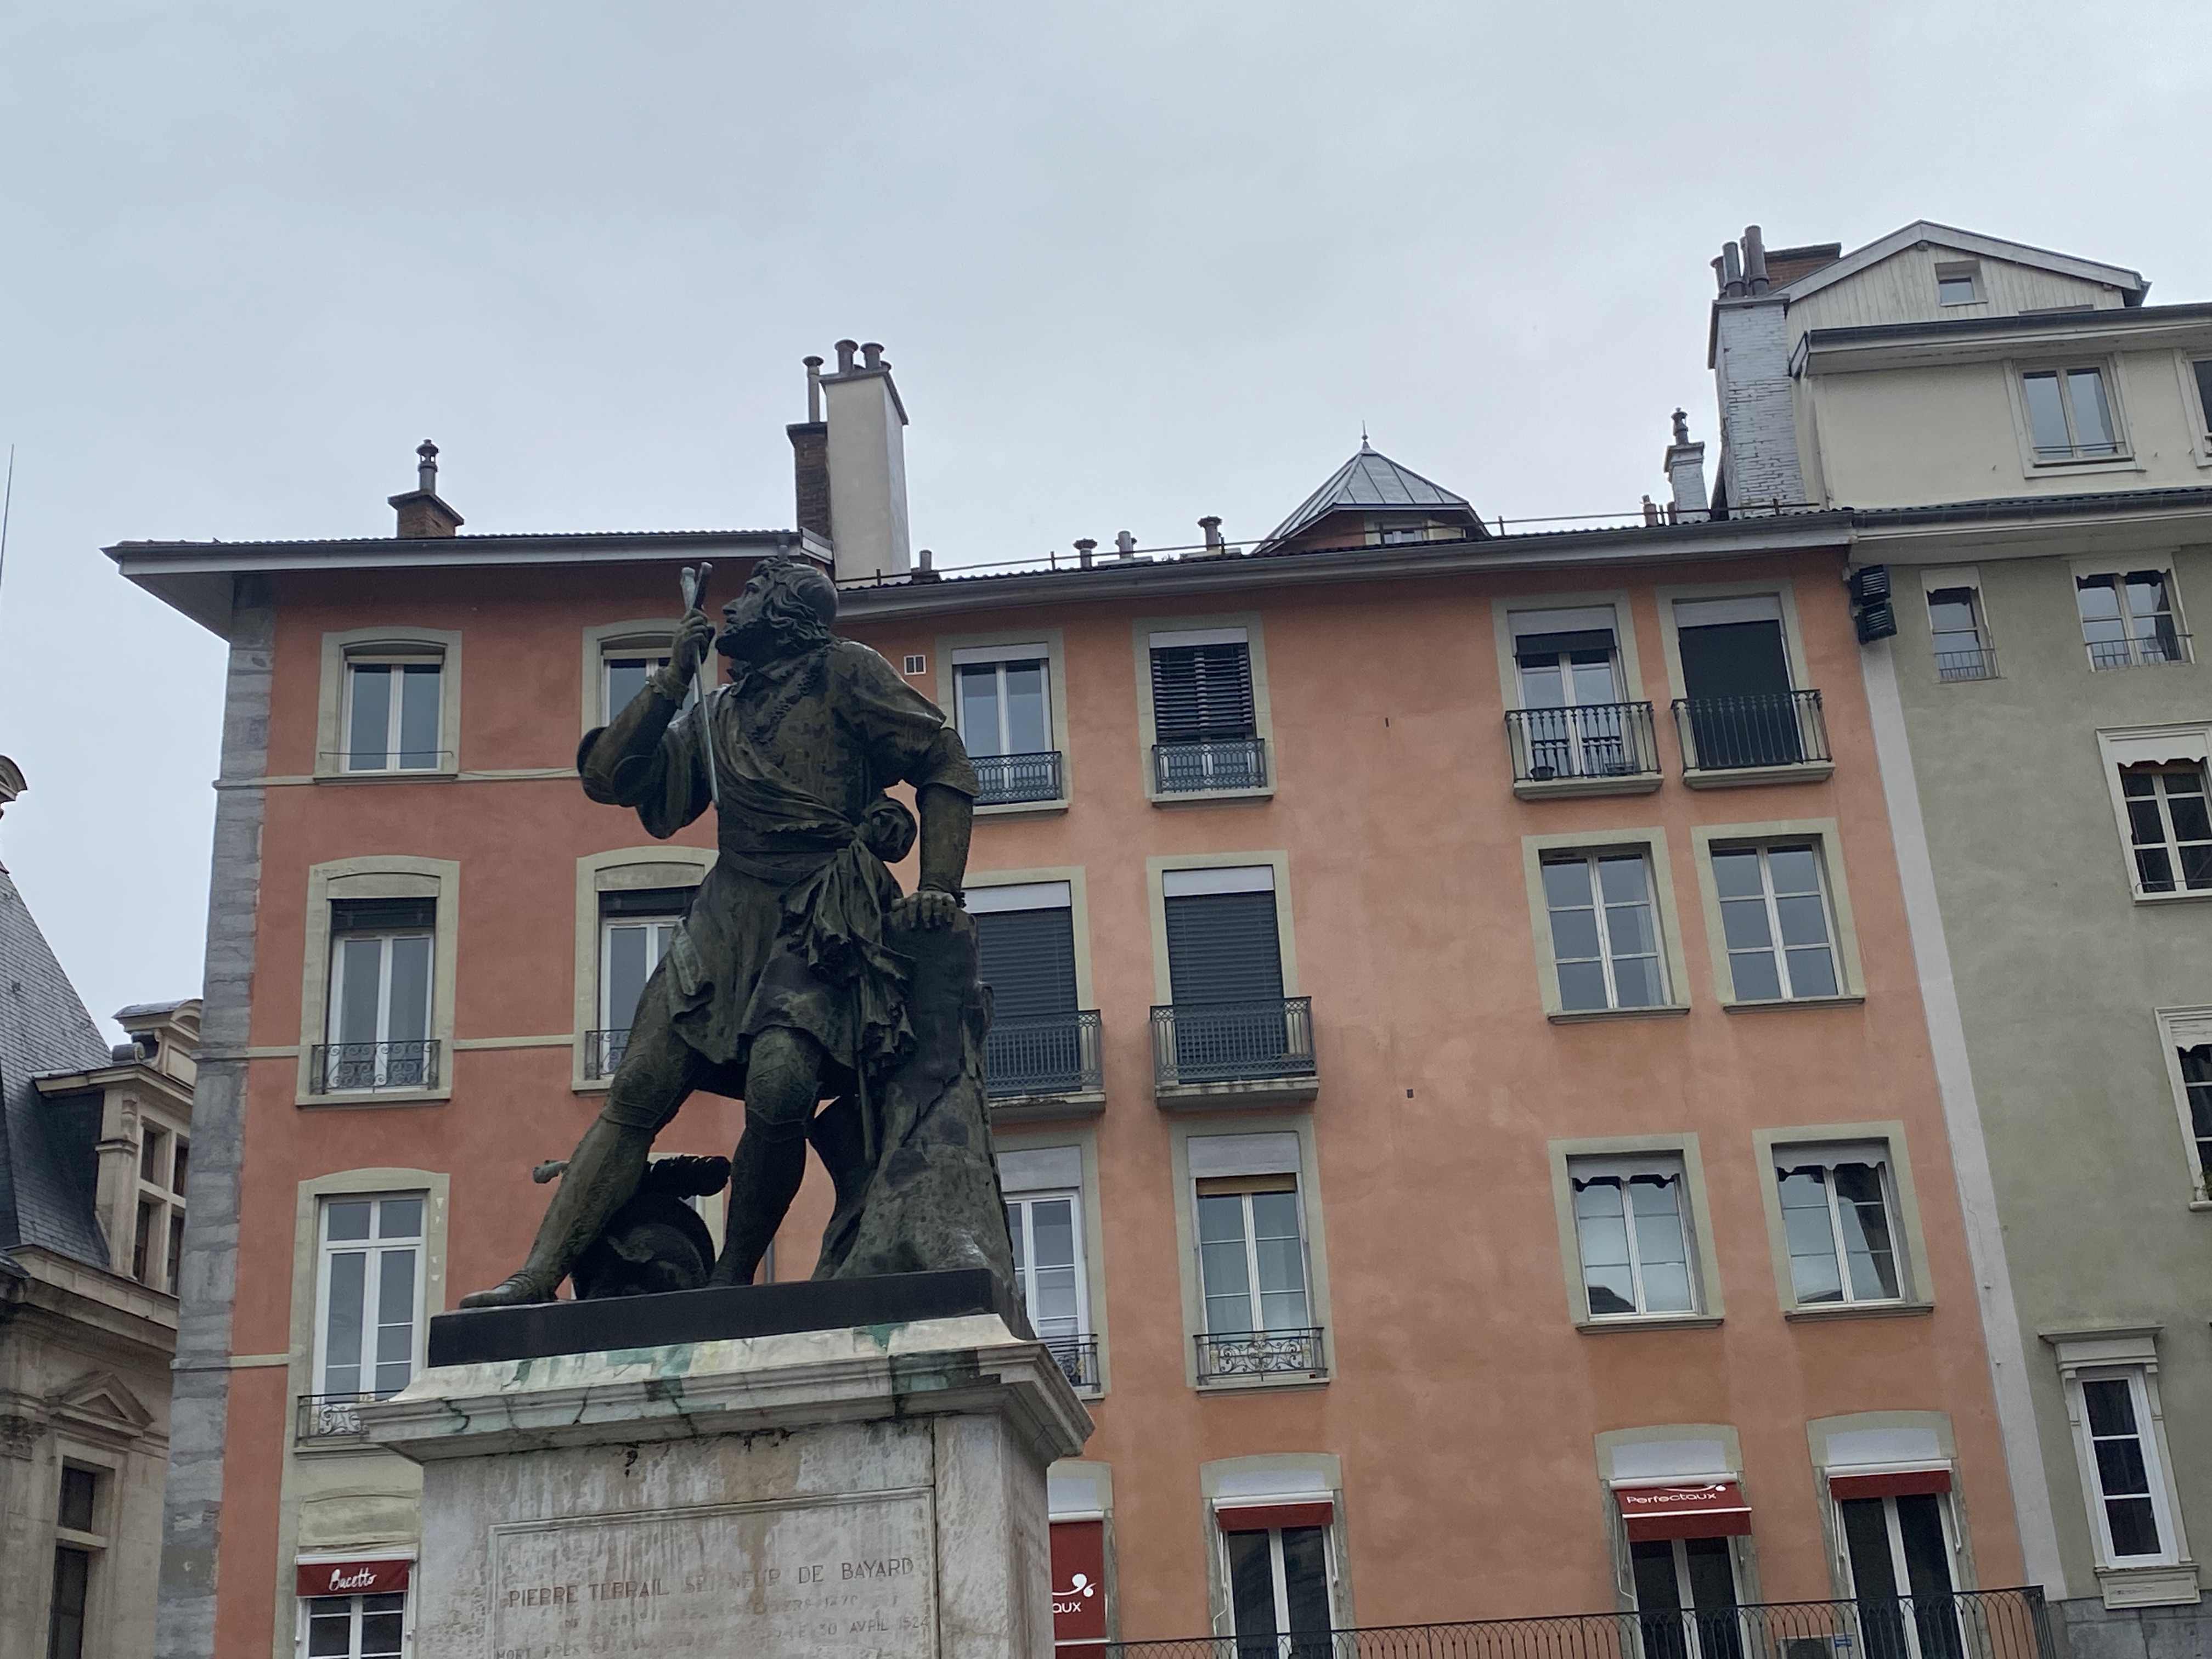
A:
(1249, 1042)
(1767, 728)
(1029, 1054)
(1596, 741)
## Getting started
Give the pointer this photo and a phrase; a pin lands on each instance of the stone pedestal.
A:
(871, 1493)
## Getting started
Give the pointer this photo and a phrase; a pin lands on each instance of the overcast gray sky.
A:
(1134, 263)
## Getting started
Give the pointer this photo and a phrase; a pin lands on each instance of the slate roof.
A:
(1369, 479)
(48, 1161)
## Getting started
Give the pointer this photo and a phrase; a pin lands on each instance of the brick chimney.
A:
(1750, 360)
(809, 458)
(1685, 473)
(421, 512)
(865, 448)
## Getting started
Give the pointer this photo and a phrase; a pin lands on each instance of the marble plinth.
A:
(876, 1492)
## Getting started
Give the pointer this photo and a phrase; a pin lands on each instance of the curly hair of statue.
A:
(800, 602)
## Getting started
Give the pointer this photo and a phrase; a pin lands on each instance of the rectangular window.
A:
(1252, 1255)
(1631, 1224)
(2197, 1089)
(1605, 930)
(79, 1508)
(1002, 706)
(2068, 416)
(378, 1023)
(370, 1294)
(1229, 1020)
(1572, 720)
(1837, 1219)
(1046, 1230)
(624, 668)
(2203, 369)
(391, 715)
(356, 1626)
(1279, 1592)
(1039, 1042)
(1960, 639)
(1686, 1599)
(1899, 1551)
(636, 927)
(1775, 920)
(1206, 728)
(144, 1239)
(1958, 282)
(153, 1157)
(1739, 707)
(2122, 1462)
(2128, 618)
(2169, 827)
(72, 1593)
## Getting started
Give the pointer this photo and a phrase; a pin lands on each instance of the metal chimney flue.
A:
(813, 388)
(1731, 271)
(1754, 260)
(847, 350)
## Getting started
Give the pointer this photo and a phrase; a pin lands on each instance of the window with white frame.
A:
(378, 1031)
(1206, 732)
(1571, 718)
(2169, 827)
(2128, 1499)
(1839, 1222)
(1002, 707)
(2195, 1067)
(1958, 633)
(2202, 371)
(1631, 1225)
(391, 717)
(356, 1626)
(2069, 417)
(2128, 618)
(636, 928)
(1046, 1230)
(369, 1295)
(624, 668)
(1958, 282)
(1605, 929)
(1251, 1247)
(1776, 921)
(1279, 1591)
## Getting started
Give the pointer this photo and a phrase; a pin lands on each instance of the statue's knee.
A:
(783, 1084)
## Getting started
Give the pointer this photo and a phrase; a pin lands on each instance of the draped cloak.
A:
(787, 929)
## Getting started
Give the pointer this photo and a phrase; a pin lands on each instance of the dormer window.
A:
(1959, 283)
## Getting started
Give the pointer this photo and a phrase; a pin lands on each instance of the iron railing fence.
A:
(1251, 1041)
(1077, 1356)
(1999, 1623)
(342, 1067)
(1977, 662)
(2139, 651)
(1007, 779)
(1186, 765)
(331, 1416)
(1597, 740)
(1766, 728)
(1223, 1354)
(1028, 1054)
(604, 1051)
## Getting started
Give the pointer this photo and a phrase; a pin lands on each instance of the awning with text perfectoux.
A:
(1705, 1509)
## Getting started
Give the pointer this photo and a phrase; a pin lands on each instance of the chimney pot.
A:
(813, 387)
(1731, 270)
(845, 349)
(420, 512)
(1754, 259)
(1681, 426)
(1085, 547)
(871, 356)
(1127, 544)
(1212, 526)
(426, 466)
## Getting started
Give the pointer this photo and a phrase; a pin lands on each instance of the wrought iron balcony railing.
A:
(1232, 1042)
(1007, 779)
(349, 1067)
(1768, 728)
(2140, 651)
(1185, 766)
(1077, 1356)
(604, 1051)
(1597, 740)
(1029, 1054)
(1223, 1355)
(1977, 662)
(1998, 1623)
(331, 1416)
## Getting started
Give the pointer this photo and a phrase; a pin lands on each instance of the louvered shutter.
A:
(1203, 692)
(1222, 948)
(1027, 959)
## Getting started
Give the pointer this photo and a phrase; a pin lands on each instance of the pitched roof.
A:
(1369, 479)
(2130, 283)
(48, 1170)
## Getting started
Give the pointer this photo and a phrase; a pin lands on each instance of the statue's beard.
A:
(750, 645)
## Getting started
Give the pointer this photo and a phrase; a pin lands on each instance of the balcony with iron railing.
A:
(1999, 1623)
(1251, 1052)
(604, 1051)
(1041, 1065)
(1242, 1356)
(322, 1418)
(1767, 737)
(363, 1067)
(1598, 749)
(1077, 1356)
(1018, 779)
(1967, 662)
(2145, 649)
(1192, 766)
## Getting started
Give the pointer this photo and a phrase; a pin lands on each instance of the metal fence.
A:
(1768, 728)
(1007, 779)
(604, 1051)
(1223, 1354)
(1977, 662)
(1597, 740)
(1077, 1356)
(330, 1416)
(2140, 651)
(1026, 1054)
(1191, 764)
(1233, 1042)
(1999, 1624)
(340, 1067)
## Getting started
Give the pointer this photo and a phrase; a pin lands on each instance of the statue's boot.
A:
(609, 1163)
(764, 1177)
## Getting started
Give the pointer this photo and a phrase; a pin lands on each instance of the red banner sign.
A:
(385, 1577)
(1079, 1588)
(1712, 1509)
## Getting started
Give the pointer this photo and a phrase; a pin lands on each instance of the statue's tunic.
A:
(788, 928)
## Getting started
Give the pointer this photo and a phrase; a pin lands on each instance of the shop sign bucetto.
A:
(1708, 1509)
(374, 1578)
(1079, 1588)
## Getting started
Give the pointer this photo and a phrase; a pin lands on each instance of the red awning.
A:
(1265, 1517)
(1903, 1483)
(1711, 1509)
(376, 1578)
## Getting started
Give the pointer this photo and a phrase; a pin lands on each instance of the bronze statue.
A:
(801, 972)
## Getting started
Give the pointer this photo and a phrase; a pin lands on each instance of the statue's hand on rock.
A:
(926, 907)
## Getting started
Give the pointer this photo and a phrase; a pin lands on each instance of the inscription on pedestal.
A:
(845, 1577)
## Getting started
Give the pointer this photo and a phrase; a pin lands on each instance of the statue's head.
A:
(787, 606)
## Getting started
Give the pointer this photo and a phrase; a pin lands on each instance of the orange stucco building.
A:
(1483, 955)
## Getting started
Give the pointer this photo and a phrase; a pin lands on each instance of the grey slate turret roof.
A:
(1371, 481)
(48, 1157)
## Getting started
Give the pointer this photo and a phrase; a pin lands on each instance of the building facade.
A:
(1465, 1109)
(2029, 444)
(95, 1149)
